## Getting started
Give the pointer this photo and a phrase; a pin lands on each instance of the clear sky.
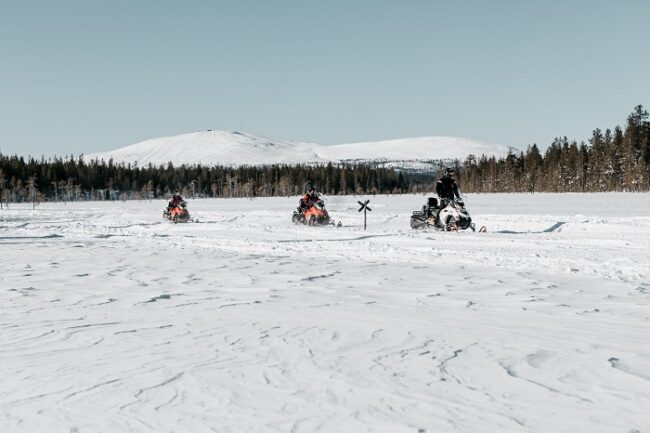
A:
(79, 76)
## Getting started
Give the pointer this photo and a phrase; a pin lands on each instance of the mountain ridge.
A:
(235, 148)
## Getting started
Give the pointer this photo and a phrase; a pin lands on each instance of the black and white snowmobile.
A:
(450, 216)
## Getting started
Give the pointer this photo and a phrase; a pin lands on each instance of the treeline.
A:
(74, 179)
(617, 160)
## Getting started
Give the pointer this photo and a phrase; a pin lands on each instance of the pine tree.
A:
(597, 162)
(533, 166)
(3, 181)
(633, 143)
(32, 190)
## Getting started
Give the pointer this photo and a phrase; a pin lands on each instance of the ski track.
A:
(115, 321)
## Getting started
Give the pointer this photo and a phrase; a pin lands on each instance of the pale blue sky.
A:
(85, 76)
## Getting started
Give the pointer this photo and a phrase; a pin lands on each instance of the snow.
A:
(211, 148)
(235, 148)
(114, 320)
(411, 149)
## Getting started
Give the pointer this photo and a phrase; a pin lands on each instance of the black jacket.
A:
(447, 188)
(176, 201)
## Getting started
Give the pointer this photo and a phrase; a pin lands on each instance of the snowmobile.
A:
(178, 214)
(314, 215)
(451, 216)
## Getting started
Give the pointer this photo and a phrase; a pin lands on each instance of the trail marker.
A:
(364, 207)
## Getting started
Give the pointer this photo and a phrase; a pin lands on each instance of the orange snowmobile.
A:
(177, 214)
(314, 215)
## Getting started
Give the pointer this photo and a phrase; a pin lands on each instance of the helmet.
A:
(311, 190)
(449, 171)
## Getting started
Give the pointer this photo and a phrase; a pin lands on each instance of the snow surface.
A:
(411, 149)
(115, 321)
(235, 148)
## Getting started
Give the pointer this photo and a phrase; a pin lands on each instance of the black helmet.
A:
(449, 171)
(311, 189)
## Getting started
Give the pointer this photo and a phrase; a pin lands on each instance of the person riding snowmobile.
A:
(447, 188)
(175, 202)
(308, 200)
(176, 210)
(311, 210)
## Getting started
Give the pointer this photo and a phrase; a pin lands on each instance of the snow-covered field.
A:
(114, 321)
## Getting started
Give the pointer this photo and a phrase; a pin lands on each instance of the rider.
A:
(447, 188)
(175, 202)
(309, 199)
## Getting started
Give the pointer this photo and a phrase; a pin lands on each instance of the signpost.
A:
(364, 207)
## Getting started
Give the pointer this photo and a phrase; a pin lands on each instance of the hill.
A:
(236, 148)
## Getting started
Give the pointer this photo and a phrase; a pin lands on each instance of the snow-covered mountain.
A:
(411, 149)
(236, 148)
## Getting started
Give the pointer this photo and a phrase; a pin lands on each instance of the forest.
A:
(610, 160)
